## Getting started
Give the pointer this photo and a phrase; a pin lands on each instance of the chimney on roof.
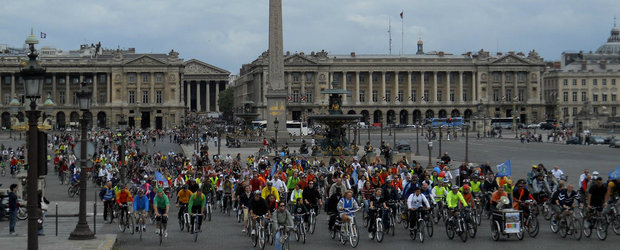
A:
(441, 53)
(301, 53)
(288, 53)
(603, 64)
(584, 64)
(557, 65)
(499, 53)
(353, 54)
(511, 52)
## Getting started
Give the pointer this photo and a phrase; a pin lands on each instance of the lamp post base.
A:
(81, 232)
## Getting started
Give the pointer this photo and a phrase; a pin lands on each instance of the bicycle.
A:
(440, 212)
(613, 218)
(159, 219)
(596, 220)
(418, 229)
(378, 225)
(569, 225)
(208, 208)
(183, 222)
(391, 221)
(312, 221)
(348, 229)
(125, 219)
(226, 202)
(140, 222)
(239, 212)
(457, 224)
(300, 228)
(531, 221)
(259, 237)
(284, 237)
(74, 190)
(195, 226)
(472, 224)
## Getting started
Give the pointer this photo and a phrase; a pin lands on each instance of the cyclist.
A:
(268, 190)
(453, 198)
(296, 194)
(300, 209)
(565, 199)
(415, 202)
(197, 203)
(244, 200)
(347, 203)
(519, 196)
(374, 203)
(312, 197)
(182, 200)
(140, 208)
(75, 178)
(596, 198)
(540, 186)
(496, 196)
(465, 191)
(258, 207)
(391, 196)
(161, 205)
(122, 197)
(208, 189)
(613, 191)
(281, 218)
(227, 189)
(106, 195)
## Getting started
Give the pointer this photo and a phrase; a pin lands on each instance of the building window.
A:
(400, 95)
(613, 97)
(159, 78)
(595, 98)
(565, 96)
(574, 111)
(594, 81)
(508, 94)
(309, 77)
(349, 78)
(48, 80)
(521, 94)
(295, 95)
(401, 78)
(132, 77)
(414, 95)
(7, 99)
(296, 77)
(89, 80)
(75, 100)
(583, 82)
(574, 82)
(521, 76)
(388, 77)
(565, 82)
(508, 77)
(565, 112)
(604, 97)
(102, 78)
(374, 96)
(595, 110)
(362, 96)
(388, 96)
(574, 96)
(414, 78)
(426, 95)
(613, 111)
(583, 96)
(496, 76)
(496, 95)
(439, 95)
(61, 97)
(132, 96)
(374, 77)
(145, 77)
(60, 80)
(145, 96)
(438, 77)
(6, 80)
(158, 96)
(464, 95)
(362, 78)
(613, 81)
(308, 96)
(102, 97)
(76, 80)
(451, 95)
(426, 79)
(604, 81)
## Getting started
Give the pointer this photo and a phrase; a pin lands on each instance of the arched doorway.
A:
(6, 120)
(74, 119)
(101, 119)
(365, 116)
(430, 114)
(377, 116)
(442, 113)
(391, 117)
(20, 116)
(417, 116)
(89, 119)
(60, 120)
(404, 117)
(455, 113)
(468, 114)
(351, 112)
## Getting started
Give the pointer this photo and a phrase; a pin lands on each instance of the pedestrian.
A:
(12, 209)
(43, 205)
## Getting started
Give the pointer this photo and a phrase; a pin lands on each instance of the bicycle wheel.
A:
(587, 229)
(354, 237)
(196, 229)
(495, 228)
(463, 234)
(181, 223)
(255, 239)
(601, 229)
(554, 226)
(421, 231)
(379, 231)
(547, 214)
(392, 227)
(209, 214)
(429, 228)
(286, 243)
(449, 230)
(161, 234)
(435, 215)
(132, 225)
(71, 192)
(472, 229)
(332, 233)
(576, 229)
(616, 224)
(261, 237)
(303, 234)
(312, 223)
(532, 227)
(141, 227)
(563, 228)
(399, 215)
(121, 222)
(298, 233)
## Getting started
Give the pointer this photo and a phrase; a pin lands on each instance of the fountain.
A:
(335, 142)
(249, 114)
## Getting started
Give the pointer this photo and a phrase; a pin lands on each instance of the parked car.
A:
(596, 140)
(608, 139)
(533, 125)
(546, 125)
(573, 140)
(403, 147)
(614, 143)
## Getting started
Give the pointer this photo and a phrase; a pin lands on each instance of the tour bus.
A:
(295, 127)
(505, 123)
(445, 122)
(260, 124)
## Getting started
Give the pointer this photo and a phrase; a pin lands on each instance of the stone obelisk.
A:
(276, 94)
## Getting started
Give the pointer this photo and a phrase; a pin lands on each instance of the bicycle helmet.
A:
(466, 187)
(455, 187)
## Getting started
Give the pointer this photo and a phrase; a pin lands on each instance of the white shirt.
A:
(279, 185)
(416, 201)
(557, 173)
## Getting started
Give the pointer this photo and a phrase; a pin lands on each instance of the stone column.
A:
(516, 86)
(152, 92)
(95, 98)
(396, 83)
(369, 95)
(108, 78)
(422, 76)
(217, 96)
(344, 86)
(54, 93)
(474, 86)
(138, 90)
(199, 96)
(208, 85)
(12, 86)
(503, 83)
(448, 78)
(460, 92)
(67, 92)
(317, 88)
(383, 87)
(408, 87)
(188, 99)
(302, 88)
(434, 96)
(289, 83)
(356, 96)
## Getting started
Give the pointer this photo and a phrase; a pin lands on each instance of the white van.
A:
(294, 128)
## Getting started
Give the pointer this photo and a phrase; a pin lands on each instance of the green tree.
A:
(226, 103)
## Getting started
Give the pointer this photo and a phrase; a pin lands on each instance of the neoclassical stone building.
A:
(149, 90)
(405, 89)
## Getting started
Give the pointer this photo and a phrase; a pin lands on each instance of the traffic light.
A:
(449, 120)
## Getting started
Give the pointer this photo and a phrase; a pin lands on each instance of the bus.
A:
(504, 123)
(260, 124)
(294, 128)
(443, 122)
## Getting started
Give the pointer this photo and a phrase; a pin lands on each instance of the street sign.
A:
(90, 150)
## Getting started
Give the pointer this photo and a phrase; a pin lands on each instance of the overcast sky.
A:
(229, 33)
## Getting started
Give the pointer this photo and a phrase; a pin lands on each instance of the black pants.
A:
(414, 216)
(107, 208)
(372, 216)
(197, 210)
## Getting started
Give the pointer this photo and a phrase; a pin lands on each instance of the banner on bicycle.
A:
(504, 169)
(615, 174)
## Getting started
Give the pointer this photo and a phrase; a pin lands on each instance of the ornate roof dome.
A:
(613, 43)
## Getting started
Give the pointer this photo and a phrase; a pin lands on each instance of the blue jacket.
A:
(140, 203)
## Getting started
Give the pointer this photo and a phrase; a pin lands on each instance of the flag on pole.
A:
(504, 169)
(401, 15)
(613, 175)
(159, 177)
(43, 35)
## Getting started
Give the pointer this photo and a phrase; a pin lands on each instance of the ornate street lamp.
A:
(122, 124)
(430, 146)
(32, 74)
(275, 125)
(417, 139)
(82, 230)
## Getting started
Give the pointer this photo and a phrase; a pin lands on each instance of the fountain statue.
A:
(335, 142)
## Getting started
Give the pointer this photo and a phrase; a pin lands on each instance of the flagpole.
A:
(390, 33)
(402, 33)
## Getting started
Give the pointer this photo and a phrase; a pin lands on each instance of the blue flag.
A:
(615, 174)
(504, 169)
(274, 168)
(160, 177)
